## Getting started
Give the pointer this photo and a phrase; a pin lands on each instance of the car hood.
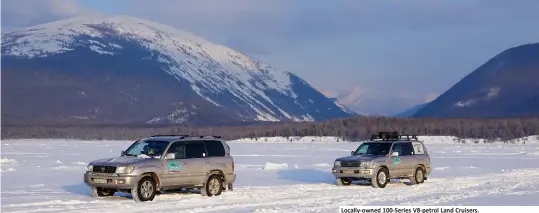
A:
(358, 158)
(121, 161)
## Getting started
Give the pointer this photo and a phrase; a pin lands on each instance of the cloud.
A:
(22, 13)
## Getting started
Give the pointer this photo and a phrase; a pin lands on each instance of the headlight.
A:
(368, 164)
(337, 163)
(89, 168)
(125, 169)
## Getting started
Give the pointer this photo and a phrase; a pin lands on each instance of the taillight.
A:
(232, 165)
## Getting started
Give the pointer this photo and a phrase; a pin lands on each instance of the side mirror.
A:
(395, 154)
(352, 153)
(170, 156)
(122, 153)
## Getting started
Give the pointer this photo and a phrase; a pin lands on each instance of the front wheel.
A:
(145, 190)
(102, 192)
(343, 181)
(381, 179)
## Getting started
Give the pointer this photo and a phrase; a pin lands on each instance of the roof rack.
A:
(210, 136)
(408, 137)
(393, 136)
(169, 136)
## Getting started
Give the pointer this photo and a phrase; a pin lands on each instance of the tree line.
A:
(351, 129)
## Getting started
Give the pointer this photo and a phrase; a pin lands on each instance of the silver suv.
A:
(164, 162)
(385, 156)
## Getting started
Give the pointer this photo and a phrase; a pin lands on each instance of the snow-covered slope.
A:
(342, 106)
(221, 76)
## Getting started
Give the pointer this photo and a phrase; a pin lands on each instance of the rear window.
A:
(215, 148)
(418, 148)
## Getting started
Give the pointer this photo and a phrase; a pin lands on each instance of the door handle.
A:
(207, 161)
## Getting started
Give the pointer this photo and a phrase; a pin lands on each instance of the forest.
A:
(351, 129)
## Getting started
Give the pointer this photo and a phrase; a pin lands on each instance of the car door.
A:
(409, 160)
(397, 162)
(216, 156)
(177, 171)
(198, 163)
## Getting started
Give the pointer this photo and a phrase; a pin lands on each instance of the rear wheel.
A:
(212, 187)
(419, 176)
(102, 192)
(343, 181)
(381, 179)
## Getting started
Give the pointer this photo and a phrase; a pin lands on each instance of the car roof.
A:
(390, 141)
(172, 138)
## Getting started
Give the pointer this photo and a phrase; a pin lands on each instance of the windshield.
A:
(148, 148)
(373, 149)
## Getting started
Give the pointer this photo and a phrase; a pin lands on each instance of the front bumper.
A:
(114, 181)
(352, 172)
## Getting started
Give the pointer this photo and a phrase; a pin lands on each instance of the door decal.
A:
(174, 166)
(396, 161)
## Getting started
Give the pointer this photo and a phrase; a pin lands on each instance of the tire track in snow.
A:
(308, 197)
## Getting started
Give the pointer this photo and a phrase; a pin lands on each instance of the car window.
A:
(418, 148)
(178, 148)
(215, 148)
(407, 149)
(147, 147)
(195, 150)
(397, 147)
(373, 149)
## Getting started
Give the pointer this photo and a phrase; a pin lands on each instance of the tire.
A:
(212, 187)
(419, 176)
(343, 181)
(102, 192)
(145, 190)
(381, 179)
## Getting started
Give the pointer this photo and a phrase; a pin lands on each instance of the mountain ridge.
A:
(504, 86)
(120, 54)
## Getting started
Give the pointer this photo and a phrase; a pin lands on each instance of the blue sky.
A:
(341, 47)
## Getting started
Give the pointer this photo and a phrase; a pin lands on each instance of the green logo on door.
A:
(396, 161)
(174, 166)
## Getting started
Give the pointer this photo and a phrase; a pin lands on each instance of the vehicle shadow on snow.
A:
(306, 176)
(79, 189)
(318, 176)
(83, 190)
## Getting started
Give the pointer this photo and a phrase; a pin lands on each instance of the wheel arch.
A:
(153, 175)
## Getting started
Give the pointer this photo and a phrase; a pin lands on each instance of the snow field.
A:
(46, 176)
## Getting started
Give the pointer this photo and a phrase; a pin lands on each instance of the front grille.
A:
(105, 169)
(350, 164)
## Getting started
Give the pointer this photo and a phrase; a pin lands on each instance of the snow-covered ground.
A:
(46, 176)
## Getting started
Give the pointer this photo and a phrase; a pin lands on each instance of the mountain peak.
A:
(225, 78)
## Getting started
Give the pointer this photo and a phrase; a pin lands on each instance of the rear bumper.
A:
(352, 172)
(112, 181)
(230, 178)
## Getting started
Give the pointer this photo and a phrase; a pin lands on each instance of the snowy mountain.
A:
(128, 70)
(505, 86)
(342, 106)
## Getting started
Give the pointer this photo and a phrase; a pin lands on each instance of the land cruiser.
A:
(385, 156)
(164, 162)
